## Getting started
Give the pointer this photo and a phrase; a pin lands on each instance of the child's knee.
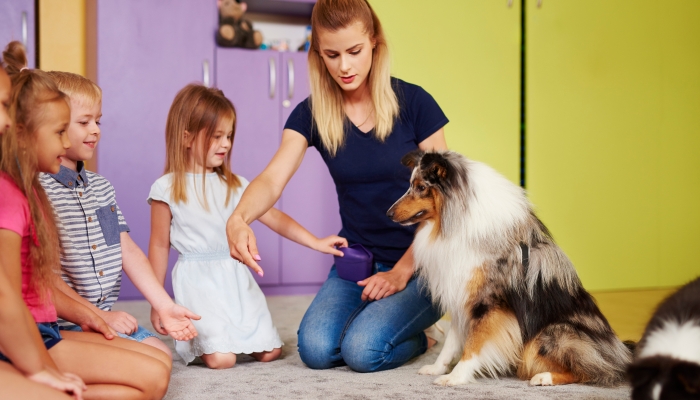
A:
(219, 360)
(160, 385)
(167, 356)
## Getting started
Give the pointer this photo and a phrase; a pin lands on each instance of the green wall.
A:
(466, 54)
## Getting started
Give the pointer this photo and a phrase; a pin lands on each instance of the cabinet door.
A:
(612, 95)
(17, 23)
(251, 80)
(147, 52)
(310, 197)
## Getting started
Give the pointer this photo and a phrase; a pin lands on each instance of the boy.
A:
(95, 244)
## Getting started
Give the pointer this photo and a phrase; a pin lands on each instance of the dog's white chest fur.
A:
(445, 266)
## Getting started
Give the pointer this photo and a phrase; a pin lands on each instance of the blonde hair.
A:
(31, 91)
(326, 95)
(197, 110)
(78, 88)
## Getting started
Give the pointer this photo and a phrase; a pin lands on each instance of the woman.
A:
(362, 122)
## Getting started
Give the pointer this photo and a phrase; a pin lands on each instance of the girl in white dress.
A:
(189, 208)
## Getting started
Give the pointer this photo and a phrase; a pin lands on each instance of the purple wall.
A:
(17, 16)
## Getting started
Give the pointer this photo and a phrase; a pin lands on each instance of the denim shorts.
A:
(49, 333)
(140, 335)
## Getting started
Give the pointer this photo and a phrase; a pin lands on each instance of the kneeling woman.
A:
(362, 121)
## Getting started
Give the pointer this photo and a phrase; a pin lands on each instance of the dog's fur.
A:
(515, 299)
(667, 360)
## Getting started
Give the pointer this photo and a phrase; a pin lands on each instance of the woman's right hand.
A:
(65, 382)
(242, 243)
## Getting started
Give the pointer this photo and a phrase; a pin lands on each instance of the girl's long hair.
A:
(326, 96)
(197, 110)
(31, 91)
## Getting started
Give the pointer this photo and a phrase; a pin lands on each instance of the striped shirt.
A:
(89, 223)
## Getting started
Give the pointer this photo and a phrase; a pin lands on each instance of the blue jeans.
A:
(341, 329)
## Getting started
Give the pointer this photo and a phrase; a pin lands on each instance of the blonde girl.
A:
(189, 208)
(362, 121)
(35, 142)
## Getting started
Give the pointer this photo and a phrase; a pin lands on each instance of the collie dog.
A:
(516, 302)
(667, 359)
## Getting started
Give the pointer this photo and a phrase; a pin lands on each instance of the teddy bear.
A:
(234, 30)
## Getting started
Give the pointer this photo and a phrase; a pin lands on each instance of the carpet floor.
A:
(289, 378)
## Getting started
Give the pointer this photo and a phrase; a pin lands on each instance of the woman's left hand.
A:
(384, 284)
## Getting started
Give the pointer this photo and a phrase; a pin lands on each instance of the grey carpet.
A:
(288, 378)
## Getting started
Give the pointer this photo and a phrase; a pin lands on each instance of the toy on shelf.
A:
(234, 30)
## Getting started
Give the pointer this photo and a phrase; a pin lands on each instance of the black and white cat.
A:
(667, 360)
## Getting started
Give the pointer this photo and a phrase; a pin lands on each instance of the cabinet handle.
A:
(273, 77)
(510, 3)
(205, 73)
(24, 29)
(539, 3)
(290, 75)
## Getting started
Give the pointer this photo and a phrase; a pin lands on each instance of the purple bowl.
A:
(356, 265)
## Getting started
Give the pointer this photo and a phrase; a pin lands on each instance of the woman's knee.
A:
(361, 355)
(317, 350)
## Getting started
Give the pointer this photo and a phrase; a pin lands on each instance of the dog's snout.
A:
(390, 213)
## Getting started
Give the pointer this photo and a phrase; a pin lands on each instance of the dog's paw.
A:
(433, 369)
(450, 380)
(541, 379)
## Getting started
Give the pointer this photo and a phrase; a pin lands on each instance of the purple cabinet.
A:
(249, 79)
(17, 22)
(310, 197)
(147, 51)
(265, 86)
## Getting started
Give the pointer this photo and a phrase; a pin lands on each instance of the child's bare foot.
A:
(267, 356)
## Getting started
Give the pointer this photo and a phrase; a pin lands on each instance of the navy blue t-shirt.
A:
(368, 174)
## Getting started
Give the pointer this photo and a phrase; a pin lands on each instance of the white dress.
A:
(235, 318)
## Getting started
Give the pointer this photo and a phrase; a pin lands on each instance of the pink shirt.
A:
(16, 217)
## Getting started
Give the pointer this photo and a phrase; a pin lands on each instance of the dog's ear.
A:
(412, 158)
(435, 167)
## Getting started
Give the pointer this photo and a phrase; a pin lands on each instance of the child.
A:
(35, 142)
(32, 373)
(189, 208)
(94, 241)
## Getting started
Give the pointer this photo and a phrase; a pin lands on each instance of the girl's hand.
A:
(176, 321)
(65, 382)
(120, 321)
(328, 245)
(384, 284)
(155, 321)
(242, 243)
